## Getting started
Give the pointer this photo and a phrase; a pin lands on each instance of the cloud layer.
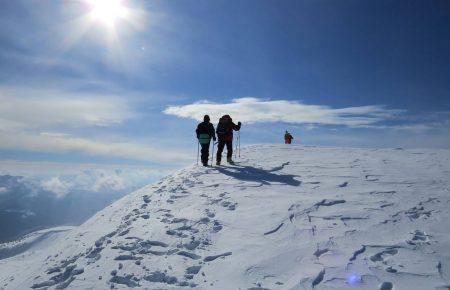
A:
(53, 121)
(63, 143)
(38, 195)
(253, 110)
(36, 108)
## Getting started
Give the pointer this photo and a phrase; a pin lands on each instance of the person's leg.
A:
(229, 150)
(205, 153)
(219, 150)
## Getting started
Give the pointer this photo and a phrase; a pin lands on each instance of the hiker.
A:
(288, 138)
(225, 134)
(205, 131)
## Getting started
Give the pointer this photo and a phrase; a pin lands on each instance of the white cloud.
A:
(419, 126)
(45, 169)
(62, 143)
(63, 178)
(38, 120)
(252, 110)
(57, 186)
(38, 108)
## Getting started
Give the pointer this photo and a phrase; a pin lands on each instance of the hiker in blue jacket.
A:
(205, 132)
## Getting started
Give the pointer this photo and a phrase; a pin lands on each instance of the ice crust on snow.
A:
(305, 218)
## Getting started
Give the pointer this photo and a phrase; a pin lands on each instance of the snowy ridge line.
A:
(10, 249)
(307, 218)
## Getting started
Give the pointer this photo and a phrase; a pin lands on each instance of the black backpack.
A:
(223, 126)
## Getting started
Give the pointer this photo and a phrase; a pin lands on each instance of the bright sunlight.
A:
(107, 11)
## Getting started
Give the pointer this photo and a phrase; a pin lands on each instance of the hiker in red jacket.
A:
(288, 138)
(225, 134)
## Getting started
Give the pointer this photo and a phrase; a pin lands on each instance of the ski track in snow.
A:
(305, 218)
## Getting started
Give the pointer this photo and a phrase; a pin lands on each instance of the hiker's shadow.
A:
(265, 177)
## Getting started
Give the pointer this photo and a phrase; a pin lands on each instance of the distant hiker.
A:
(205, 131)
(225, 134)
(288, 138)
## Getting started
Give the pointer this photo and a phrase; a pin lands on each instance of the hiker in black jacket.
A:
(225, 134)
(205, 131)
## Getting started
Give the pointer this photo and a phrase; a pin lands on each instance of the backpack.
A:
(223, 127)
(203, 133)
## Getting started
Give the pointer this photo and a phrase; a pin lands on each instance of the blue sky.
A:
(334, 73)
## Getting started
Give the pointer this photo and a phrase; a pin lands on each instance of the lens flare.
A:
(353, 279)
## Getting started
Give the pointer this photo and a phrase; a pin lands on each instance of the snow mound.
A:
(283, 217)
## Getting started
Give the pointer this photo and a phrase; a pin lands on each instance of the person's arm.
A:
(237, 127)
(196, 131)
(212, 133)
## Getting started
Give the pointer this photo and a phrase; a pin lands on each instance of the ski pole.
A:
(239, 139)
(212, 158)
(198, 150)
(236, 147)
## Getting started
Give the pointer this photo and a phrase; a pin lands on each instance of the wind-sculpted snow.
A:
(284, 217)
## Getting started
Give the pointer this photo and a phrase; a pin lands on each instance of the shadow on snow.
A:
(266, 177)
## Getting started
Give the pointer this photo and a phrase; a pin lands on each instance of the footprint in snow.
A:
(318, 278)
(161, 278)
(386, 286)
(128, 280)
(357, 253)
(146, 199)
(209, 213)
(192, 245)
(419, 237)
(343, 184)
(378, 257)
(212, 258)
(127, 257)
(193, 270)
(320, 252)
(217, 226)
(189, 255)
(329, 202)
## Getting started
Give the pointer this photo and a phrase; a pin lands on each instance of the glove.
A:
(239, 123)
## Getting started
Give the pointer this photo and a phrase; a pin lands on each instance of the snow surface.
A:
(285, 217)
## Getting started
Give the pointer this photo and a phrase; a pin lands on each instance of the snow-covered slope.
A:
(285, 217)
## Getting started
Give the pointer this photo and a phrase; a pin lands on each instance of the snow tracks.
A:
(284, 217)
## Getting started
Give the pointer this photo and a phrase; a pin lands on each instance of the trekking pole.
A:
(198, 150)
(236, 146)
(239, 139)
(212, 158)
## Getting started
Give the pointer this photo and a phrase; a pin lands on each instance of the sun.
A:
(107, 12)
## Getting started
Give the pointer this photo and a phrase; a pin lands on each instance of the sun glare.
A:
(107, 12)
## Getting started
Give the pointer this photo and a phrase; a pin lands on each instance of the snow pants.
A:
(220, 147)
(205, 153)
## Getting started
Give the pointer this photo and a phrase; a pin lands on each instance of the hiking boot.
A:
(205, 164)
(229, 160)
(218, 162)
